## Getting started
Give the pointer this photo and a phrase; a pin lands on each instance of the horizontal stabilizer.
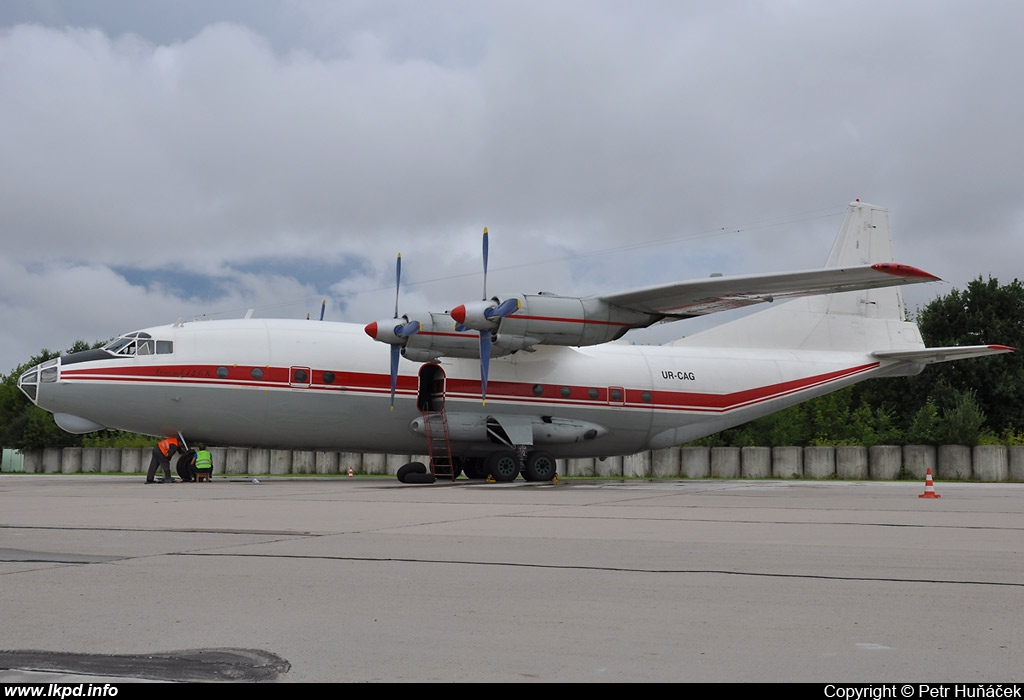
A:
(929, 356)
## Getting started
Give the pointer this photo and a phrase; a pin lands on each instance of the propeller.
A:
(394, 332)
(484, 316)
(323, 307)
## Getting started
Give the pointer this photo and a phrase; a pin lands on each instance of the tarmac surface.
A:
(369, 580)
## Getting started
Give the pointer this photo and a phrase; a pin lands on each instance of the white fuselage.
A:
(324, 385)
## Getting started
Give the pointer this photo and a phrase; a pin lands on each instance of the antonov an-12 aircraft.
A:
(504, 386)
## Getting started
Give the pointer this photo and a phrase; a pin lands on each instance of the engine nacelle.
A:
(485, 315)
(505, 343)
(572, 321)
(537, 319)
(541, 430)
(387, 331)
(438, 338)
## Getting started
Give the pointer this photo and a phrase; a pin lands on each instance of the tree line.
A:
(968, 402)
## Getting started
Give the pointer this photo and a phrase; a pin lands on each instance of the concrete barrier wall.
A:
(884, 462)
(918, 459)
(1015, 455)
(756, 462)
(988, 463)
(638, 465)
(695, 462)
(852, 463)
(609, 468)
(135, 459)
(664, 463)
(953, 463)
(726, 463)
(787, 462)
(819, 462)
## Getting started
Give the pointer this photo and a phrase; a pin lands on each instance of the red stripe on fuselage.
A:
(240, 377)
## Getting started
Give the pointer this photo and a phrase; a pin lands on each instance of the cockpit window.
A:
(138, 343)
(48, 371)
(121, 346)
(29, 382)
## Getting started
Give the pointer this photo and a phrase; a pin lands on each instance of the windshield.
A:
(139, 343)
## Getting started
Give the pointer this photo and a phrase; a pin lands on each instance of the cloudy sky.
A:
(184, 158)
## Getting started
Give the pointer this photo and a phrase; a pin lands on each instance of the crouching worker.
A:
(202, 464)
(162, 458)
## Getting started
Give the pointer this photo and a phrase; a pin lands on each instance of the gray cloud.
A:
(605, 145)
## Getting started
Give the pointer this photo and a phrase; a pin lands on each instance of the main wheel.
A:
(540, 466)
(503, 465)
(473, 467)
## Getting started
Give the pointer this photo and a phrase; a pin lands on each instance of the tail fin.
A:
(864, 239)
(861, 321)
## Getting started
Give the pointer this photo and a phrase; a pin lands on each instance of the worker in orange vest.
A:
(162, 458)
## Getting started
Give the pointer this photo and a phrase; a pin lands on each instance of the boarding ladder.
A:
(439, 449)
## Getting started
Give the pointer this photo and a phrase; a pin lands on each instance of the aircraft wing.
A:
(522, 321)
(709, 295)
(928, 356)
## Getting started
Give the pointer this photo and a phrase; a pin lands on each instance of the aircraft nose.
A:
(44, 373)
(29, 383)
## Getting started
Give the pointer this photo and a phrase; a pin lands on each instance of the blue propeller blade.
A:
(401, 330)
(485, 262)
(395, 354)
(407, 329)
(323, 307)
(505, 308)
(398, 281)
(485, 363)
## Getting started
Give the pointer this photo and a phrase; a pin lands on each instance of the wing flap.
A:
(705, 296)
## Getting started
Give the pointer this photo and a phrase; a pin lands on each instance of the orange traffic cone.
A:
(929, 487)
(350, 475)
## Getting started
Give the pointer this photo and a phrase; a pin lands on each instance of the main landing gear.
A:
(501, 465)
(506, 465)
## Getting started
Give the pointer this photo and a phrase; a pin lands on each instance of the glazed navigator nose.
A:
(44, 373)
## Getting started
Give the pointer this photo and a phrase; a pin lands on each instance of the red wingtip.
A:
(459, 313)
(898, 270)
(371, 330)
